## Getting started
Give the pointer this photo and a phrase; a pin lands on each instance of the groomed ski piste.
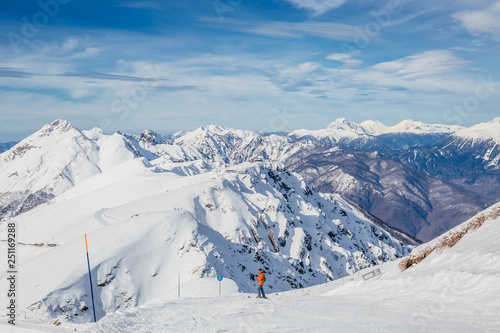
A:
(452, 290)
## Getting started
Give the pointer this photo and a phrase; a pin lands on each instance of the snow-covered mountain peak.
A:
(339, 122)
(419, 127)
(409, 124)
(488, 131)
(223, 131)
(94, 134)
(373, 127)
(232, 145)
(55, 159)
(58, 131)
(345, 125)
(341, 130)
(152, 137)
(212, 132)
(57, 126)
(214, 128)
(344, 131)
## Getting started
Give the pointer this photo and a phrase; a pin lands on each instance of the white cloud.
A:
(294, 78)
(329, 30)
(70, 44)
(281, 29)
(424, 64)
(302, 69)
(318, 6)
(345, 58)
(481, 21)
(436, 72)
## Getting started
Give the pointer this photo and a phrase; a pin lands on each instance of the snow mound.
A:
(450, 238)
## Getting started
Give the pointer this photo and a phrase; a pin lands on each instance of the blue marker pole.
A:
(90, 277)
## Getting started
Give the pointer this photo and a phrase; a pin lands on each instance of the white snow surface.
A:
(343, 130)
(488, 131)
(145, 222)
(237, 146)
(452, 290)
(59, 157)
(416, 127)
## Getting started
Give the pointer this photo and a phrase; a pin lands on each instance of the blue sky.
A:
(261, 65)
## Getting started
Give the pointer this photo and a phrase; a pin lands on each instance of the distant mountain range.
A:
(469, 157)
(422, 179)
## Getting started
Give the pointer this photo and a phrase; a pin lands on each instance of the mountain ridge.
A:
(430, 149)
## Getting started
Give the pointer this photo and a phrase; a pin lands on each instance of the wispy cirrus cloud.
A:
(481, 21)
(346, 59)
(293, 78)
(282, 29)
(429, 63)
(107, 76)
(139, 4)
(14, 72)
(436, 72)
(230, 71)
(317, 6)
(433, 72)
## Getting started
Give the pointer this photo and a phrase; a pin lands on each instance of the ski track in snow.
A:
(453, 290)
(99, 216)
(390, 303)
(293, 313)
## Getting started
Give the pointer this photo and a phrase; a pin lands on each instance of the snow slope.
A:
(144, 223)
(452, 290)
(482, 132)
(50, 162)
(59, 156)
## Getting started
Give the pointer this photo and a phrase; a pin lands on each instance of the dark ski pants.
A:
(260, 291)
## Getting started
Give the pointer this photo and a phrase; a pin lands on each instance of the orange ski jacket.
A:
(261, 278)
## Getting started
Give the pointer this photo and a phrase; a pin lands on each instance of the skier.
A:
(261, 278)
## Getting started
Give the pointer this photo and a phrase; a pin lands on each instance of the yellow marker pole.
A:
(90, 276)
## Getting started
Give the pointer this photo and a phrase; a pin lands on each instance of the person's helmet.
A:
(260, 270)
